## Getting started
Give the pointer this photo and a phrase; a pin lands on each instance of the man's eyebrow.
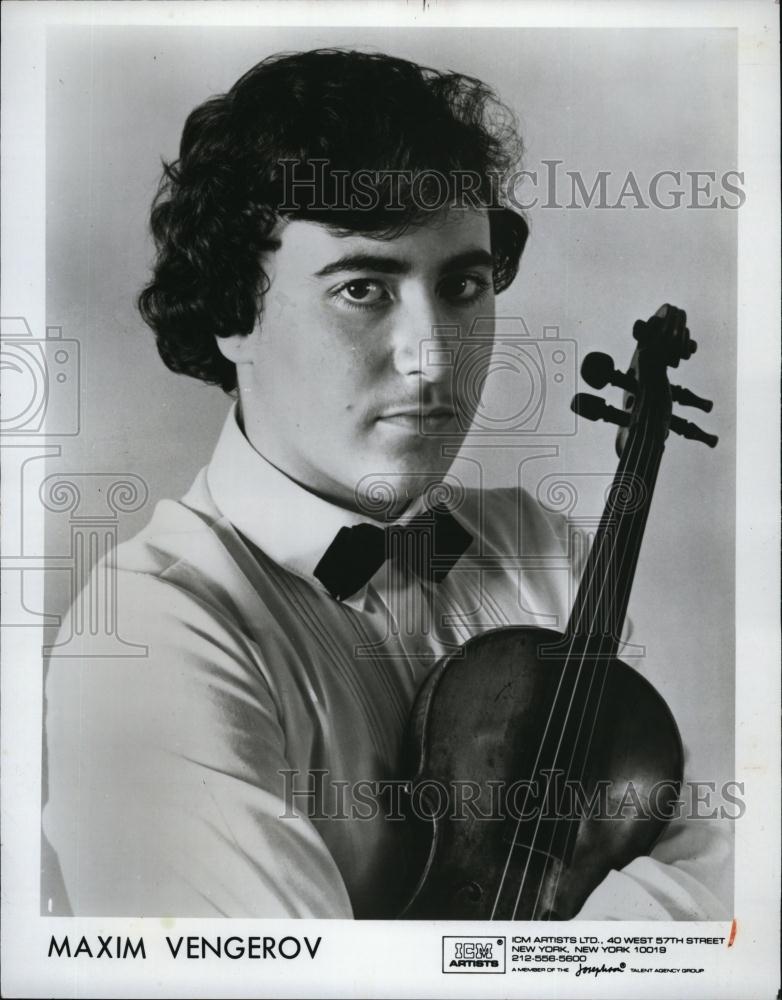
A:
(393, 265)
(469, 258)
(365, 262)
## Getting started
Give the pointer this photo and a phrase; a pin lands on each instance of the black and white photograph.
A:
(390, 501)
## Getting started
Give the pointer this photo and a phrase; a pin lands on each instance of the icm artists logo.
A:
(473, 954)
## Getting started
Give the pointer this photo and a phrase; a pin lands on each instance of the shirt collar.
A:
(293, 526)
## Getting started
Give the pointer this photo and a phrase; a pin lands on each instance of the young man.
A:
(330, 242)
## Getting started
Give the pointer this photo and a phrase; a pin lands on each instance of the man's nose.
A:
(419, 339)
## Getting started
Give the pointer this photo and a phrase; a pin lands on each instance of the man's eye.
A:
(361, 293)
(463, 287)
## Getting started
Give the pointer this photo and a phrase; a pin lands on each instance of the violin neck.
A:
(598, 616)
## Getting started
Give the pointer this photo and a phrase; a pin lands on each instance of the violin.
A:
(588, 746)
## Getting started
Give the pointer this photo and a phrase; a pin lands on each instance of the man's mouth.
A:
(427, 418)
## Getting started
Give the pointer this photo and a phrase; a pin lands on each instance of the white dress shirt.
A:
(170, 774)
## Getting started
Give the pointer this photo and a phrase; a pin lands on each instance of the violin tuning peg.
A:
(598, 371)
(686, 398)
(584, 404)
(693, 432)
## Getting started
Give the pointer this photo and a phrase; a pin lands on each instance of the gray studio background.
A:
(615, 100)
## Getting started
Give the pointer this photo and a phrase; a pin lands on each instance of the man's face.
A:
(334, 384)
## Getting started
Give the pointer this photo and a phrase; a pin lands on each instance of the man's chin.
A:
(384, 494)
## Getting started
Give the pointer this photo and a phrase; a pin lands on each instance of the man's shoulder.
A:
(170, 607)
(510, 517)
(184, 565)
(179, 531)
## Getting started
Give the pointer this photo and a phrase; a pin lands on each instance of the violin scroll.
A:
(666, 332)
(663, 341)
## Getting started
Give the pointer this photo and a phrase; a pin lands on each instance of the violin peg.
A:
(691, 431)
(598, 371)
(686, 398)
(584, 404)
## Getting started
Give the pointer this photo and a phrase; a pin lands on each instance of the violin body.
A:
(481, 720)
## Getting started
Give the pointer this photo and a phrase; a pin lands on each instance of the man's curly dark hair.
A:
(218, 203)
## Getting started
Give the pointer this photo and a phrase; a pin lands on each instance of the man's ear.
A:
(239, 347)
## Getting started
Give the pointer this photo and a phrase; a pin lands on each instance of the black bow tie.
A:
(429, 544)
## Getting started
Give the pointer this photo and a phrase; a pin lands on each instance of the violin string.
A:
(616, 591)
(594, 565)
(656, 457)
(567, 773)
(630, 550)
(504, 875)
(567, 778)
(650, 475)
(585, 701)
